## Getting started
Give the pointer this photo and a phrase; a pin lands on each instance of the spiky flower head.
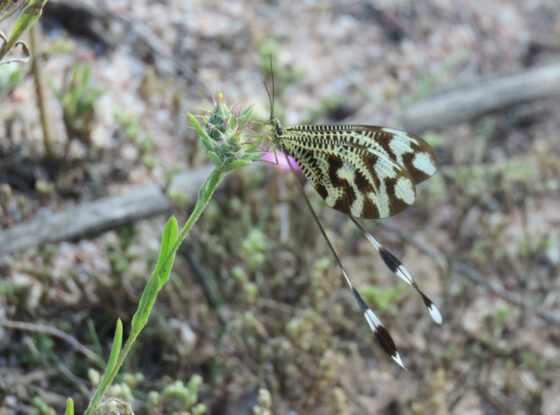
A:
(225, 136)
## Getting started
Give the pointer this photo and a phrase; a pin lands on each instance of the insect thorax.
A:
(278, 132)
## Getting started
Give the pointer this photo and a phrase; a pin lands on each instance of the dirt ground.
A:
(256, 318)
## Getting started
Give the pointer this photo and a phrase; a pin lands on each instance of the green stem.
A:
(204, 195)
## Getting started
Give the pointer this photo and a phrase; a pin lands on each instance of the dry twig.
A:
(482, 98)
(51, 331)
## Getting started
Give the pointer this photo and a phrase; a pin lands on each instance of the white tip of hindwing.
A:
(397, 358)
(434, 312)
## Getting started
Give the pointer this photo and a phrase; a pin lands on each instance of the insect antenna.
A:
(381, 333)
(270, 96)
(273, 86)
(398, 268)
(270, 99)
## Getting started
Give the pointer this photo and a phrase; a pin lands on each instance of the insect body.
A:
(366, 172)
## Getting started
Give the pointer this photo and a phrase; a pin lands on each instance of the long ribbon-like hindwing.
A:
(366, 172)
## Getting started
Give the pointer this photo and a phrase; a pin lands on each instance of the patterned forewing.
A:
(352, 172)
(407, 150)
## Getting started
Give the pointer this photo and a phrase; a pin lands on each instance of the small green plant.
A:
(31, 11)
(500, 315)
(10, 77)
(382, 298)
(224, 138)
(129, 126)
(77, 97)
(40, 407)
(178, 398)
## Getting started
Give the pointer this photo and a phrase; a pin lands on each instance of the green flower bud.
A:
(225, 136)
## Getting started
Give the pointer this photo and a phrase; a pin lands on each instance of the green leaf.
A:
(237, 163)
(197, 126)
(106, 380)
(115, 350)
(245, 116)
(256, 156)
(86, 71)
(214, 158)
(205, 143)
(27, 18)
(231, 122)
(166, 256)
(159, 276)
(69, 407)
(252, 147)
(168, 238)
(142, 313)
(204, 138)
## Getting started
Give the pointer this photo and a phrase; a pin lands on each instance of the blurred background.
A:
(255, 318)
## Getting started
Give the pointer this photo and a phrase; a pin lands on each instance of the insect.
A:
(365, 172)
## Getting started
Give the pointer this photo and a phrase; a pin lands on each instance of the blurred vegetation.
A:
(10, 77)
(254, 317)
(77, 98)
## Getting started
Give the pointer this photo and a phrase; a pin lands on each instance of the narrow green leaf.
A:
(256, 156)
(149, 295)
(86, 75)
(245, 116)
(252, 147)
(204, 138)
(206, 143)
(106, 379)
(197, 126)
(214, 158)
(231, 122)
(237, 163)
(27, 18)
(115, 350)
(167, 240)
(69, 407)
(159, 276)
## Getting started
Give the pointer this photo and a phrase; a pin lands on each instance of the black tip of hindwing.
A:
(386, 341)
(388, 345)
(390, 260)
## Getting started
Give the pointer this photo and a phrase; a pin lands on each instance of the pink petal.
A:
(280, 158)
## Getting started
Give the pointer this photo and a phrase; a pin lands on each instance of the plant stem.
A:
(39, 91)
(204, 195)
